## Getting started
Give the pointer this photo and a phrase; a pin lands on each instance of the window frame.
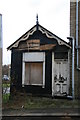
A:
(33, 57)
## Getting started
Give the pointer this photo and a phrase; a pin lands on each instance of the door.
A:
(60, 77)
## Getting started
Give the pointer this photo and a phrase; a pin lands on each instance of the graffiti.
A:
(61, 78)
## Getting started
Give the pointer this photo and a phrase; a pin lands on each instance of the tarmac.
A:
(68, 112)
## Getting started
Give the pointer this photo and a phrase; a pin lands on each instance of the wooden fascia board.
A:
(21, 38)
(40, 48)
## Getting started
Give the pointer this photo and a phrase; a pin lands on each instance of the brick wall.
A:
(79, 33)
(72, 19)
(73, 33)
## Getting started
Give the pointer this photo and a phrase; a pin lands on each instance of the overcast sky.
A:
(18, 16)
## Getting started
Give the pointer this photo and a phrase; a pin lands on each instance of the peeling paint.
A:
(61, 77)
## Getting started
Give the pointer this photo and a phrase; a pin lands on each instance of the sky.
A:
(18, 16)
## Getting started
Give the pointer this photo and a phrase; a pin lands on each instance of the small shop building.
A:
(40, 63)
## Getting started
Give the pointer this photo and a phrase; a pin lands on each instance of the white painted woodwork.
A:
(53, 74)
(43, 85)
(33, 62)
(44, 31)
(23, 74)
(33, 57)
(61, 76)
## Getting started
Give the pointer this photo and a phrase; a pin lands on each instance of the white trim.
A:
(52, 74)
(23, 73)
(44, 72)
(36, 84)
(44, 31)
(33, 57)
(61, 68)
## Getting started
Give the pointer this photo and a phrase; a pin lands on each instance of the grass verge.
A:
(30, 102)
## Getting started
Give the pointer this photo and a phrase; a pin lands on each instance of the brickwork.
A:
(79, 33)
(72, 19)
(73, 33)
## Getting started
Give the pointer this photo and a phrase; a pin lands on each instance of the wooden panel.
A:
(27, 73)
(33, 73)
(16, 67)
(60, 76)
(33, 57)
(33, 41)
(47, 46)
(61, 69)
(36, 73)
(36, 46)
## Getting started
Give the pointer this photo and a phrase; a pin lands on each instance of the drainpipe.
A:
(72, 41)
(77, 34)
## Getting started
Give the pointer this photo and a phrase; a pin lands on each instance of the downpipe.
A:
(77, 52)
(71, 39)
(77, 36)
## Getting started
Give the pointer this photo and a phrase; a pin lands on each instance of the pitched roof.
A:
(44, 31)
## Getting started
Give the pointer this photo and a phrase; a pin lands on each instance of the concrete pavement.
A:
(43, 112)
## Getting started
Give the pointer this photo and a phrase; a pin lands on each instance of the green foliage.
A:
(30, 102)
(5, 98)
(6, 85)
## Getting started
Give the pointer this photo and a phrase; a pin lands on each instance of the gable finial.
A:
(37, 22)
(37, 19)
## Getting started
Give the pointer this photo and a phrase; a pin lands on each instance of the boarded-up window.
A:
(33, 73)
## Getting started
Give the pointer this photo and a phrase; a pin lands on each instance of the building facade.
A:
(40, 63)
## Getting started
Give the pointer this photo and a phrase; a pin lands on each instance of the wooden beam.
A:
(33, 41)
(47, 47)
(41, 47)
